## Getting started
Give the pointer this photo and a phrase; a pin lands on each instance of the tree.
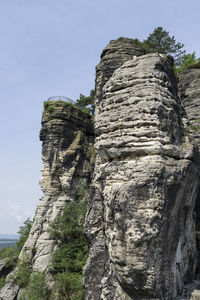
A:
(70, 255)
(24, 233)
(186, 61)
(86, 102)
(160, 41)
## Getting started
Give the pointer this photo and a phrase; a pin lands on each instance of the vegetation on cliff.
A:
(86, 103)
(35, 289)
(160, 41)
(10, 254)
(71, 254)
(24, 233)
(80, 106)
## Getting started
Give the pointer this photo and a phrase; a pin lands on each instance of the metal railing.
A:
(61, 98)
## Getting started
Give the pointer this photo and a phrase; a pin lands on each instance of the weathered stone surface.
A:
(189, 89)
(2, 265)
(140, 225)
(113, 56)
(195, 295)
(68, 158)
(9, 291)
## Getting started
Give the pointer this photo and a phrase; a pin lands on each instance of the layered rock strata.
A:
(113, 56)
(189, 89)
(140, 224)
(68, 157)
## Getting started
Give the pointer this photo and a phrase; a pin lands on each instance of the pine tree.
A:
(160, 41)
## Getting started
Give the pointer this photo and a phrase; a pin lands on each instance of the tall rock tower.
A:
(68, 159)
(140, 224)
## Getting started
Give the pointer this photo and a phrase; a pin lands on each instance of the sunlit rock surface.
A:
(68, 158)
(140, 224)
(113, 56)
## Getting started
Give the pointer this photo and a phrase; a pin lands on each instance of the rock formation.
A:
(68, 157)
(113, 56)
(143, 218)
(189, 90)
(140, 224)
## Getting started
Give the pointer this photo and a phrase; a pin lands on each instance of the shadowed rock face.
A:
(67, 154)
(113, 56)
(189, 90)
(68, 158)
(140, 225)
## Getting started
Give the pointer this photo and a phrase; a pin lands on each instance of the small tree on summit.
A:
(160, 41)
(86, 102)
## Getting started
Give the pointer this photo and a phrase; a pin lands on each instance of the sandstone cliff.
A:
(140, 224)
(113, 56)
(68, 157)
(189, 90)
(143, 218)
(189, 81)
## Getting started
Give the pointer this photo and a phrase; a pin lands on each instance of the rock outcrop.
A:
(143, 218)
(189, 89)
(68, 158)
(140, 224)
(113, 56)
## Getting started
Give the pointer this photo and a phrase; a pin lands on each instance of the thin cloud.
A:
(18, 212)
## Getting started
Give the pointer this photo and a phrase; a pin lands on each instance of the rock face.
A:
(143, 218)
(113, 56)
(189, 89)
(67, 153)
(140, 224)
(68, 157)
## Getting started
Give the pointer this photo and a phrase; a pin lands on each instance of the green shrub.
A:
(48, 107)
(36, 288)
(82, 193)
(2, 282)
(134, 42)
(195, 65)
(86, 103)
(188, 61)
(23, 273)
(10, 254)
(24, 233)
(69, 286)
(70, 256)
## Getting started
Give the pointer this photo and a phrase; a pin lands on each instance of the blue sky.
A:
(51, 47)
